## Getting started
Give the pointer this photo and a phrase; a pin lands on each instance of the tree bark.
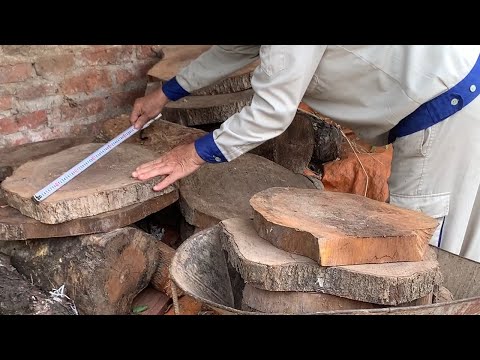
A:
(19, 297)
(102, 273)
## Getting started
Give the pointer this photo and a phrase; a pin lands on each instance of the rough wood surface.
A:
(266, 267)
(220, 191)
(16, 226)
(328, 142)
(206, 109)
(19, 297)
(340, 229)
(161, 277)
(293, 149)
(106, 185)
(102, 273)
(160, 137)
(442, 295)
(289, 302)
(19, 155)
(155, 302)
(177, 58)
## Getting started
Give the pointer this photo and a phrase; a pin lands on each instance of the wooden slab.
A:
(160, 137)
(340, 229)
(102, 273)
(176, 58)
(264, 266)
(19, 297)
(5, 171)
(105, 186)
(220, 191)
(154, 302)
(16, 226)
(288, 302)
(206, 109)
(19, 155)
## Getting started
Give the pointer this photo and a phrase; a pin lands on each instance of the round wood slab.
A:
(220, 191)
(106, 185)
(340, 229)
(266, 267)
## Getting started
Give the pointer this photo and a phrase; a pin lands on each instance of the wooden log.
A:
(293, 149)
(16, 226)
(5, 171)
(288, 302)
(266, 267)
(159, 137)
(220, 191)
(105, 186)
(206, 109)
(102, 273)
(161, 277)
(150, 302)
(340, 229)
(19, 297)
(176, 58)
(442, 295)
(327, 142)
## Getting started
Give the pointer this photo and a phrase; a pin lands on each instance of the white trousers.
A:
(437, 171)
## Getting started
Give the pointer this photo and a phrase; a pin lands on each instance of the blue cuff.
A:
(208, 150)
(173, 90)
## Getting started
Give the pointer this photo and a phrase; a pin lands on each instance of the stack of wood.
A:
(308, 139)
(307, 250)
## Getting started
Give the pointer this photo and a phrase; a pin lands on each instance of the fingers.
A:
(136, 112)
(167, 181)
(156, 171)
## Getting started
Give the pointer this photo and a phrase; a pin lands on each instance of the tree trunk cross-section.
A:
(266, 267)
(107, 185)
(340, 229)
(102, 273)
(16, 226)
(220, 191)
(160, 137)
(19, 297)
(207, 109)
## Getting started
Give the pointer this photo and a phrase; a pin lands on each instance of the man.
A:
(421, 98)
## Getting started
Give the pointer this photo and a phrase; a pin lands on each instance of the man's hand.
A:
(147, 107)
(176, 164)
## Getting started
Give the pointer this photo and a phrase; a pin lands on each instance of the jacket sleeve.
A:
(213, 65)
(279, 84)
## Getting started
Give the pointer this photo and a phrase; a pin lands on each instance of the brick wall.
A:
(50, 91)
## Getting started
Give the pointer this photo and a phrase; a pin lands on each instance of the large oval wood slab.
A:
(220, 191)
(267, 267)
(207, 109)
(340, 229)
(107, 185)
(16, 226)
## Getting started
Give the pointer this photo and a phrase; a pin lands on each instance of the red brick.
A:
(54, 65)
(8, 125)
(88, 82)
(5, 102)
(127, 97)
(109, 55)
(15, 73)
(31, 91)
(83, 109)
(32, 120)
(123, 76)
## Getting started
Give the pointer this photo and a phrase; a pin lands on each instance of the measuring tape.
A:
(84, 164)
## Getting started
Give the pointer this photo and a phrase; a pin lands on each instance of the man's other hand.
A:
(176, 164)
(147, 107)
